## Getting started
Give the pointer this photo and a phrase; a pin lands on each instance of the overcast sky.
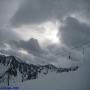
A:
(44, 31)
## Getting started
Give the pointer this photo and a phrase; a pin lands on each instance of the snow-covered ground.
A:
(78, 80)
(74, 80)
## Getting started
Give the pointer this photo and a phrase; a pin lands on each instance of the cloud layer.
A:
(24, 24)
(74, 33)
(74, 30)
(37, 11)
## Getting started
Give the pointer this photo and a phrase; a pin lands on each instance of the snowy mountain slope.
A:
(78, 80)
(64, 81)
(15, 70)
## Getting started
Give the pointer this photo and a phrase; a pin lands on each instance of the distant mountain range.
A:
(14, 68)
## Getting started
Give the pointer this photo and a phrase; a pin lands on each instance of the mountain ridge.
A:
(16, 66)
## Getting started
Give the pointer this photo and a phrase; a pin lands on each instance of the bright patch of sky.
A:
(46, 33)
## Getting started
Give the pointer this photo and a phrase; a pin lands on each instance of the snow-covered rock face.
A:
(19, 71)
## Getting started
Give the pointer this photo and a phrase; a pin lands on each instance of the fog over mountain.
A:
(55, 32)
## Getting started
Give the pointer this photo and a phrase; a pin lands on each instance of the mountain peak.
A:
(16, 67)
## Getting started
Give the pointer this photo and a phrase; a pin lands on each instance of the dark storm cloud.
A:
(32, 46)
(7, 9)
(36, 11)
(74, 33)
(7, 35)
(36, 53)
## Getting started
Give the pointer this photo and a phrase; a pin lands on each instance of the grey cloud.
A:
(74, 33)
(37, 55)
(14, 52)
(7, 10)
(32, 46)
(40, 55)
(7, 35)
(36, 11)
